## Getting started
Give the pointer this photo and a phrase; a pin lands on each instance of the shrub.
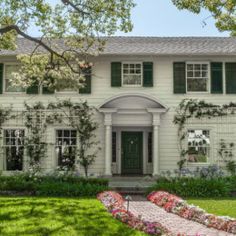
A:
(195, 187)
(53, 186)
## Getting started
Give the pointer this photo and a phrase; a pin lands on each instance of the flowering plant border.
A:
(114, 203)
(178, 206)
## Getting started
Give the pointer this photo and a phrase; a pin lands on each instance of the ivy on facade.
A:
(37, 117)
(198, 109)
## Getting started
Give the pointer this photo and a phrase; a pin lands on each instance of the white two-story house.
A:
(136, 85)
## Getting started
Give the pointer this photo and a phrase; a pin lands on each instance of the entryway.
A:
(131, 153)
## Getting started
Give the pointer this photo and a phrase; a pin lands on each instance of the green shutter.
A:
(1, 78)
(230, 73)
(33, 89)
(87, 82)
(179, 77)
(46, 90)
(216, 77)
(147, 74)
(116, 74)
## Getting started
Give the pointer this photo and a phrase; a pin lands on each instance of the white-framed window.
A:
(197, 74)
(13, 144)
(132, 74)
(198, 146)
(9, 87)
(66, 146)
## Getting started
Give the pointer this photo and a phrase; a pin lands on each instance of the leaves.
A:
(222, 11)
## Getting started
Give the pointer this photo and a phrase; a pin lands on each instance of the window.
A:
(9, 69)
(66, 148)
(198, 146)
(14, 149)
(150, 147)
(132, 74)
(113, 146)
(197, 77)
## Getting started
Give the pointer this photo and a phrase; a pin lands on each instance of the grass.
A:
(58, 216)
(221, 207)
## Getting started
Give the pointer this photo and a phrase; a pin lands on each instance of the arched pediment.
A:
(133, 101)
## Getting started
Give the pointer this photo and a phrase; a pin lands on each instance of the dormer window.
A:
(132, 74)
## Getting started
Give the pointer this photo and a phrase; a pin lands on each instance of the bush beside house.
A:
(68, 186)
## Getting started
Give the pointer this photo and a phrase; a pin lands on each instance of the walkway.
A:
(176, 224)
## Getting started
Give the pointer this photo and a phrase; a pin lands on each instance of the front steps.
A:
(131, 185)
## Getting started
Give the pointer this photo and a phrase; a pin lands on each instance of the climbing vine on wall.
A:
(193, 108)
(80, 117)
(37, 117)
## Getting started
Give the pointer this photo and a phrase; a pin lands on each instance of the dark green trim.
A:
(88, 81)
(216, 77)
(147, 74)
(1, 78)
(33, 89)
(230, 77)
(179, 69)
(116, 68)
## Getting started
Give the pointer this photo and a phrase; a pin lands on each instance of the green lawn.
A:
(58, 216)
(221, 207)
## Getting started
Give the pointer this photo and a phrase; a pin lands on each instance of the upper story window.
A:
(132, 74)
(198, 146)
(9, 87)
(197, 77)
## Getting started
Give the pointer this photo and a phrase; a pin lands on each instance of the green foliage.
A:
(194, 187)
(36, 125)
(53, 186)
(231, 167)
(222, 11)
(193, 108)
(69, 32)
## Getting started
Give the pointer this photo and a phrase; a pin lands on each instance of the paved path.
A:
(174, 223)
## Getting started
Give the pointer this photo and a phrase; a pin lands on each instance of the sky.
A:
(162, 18)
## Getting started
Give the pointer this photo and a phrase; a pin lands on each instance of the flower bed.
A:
(115, 205)
(177, 205)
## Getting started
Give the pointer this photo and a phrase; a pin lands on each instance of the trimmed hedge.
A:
(196, 187)
(53, 186)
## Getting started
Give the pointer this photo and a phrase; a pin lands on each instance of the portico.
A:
(135, 119)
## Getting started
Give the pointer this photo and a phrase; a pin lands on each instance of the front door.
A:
(132, 152)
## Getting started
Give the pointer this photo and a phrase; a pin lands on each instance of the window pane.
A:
(197, 85)
(113, 146)
(189, 66)
(198, 145)
(66, 148)
(132, 74)
(14, 149)
(150, 147)
(197, 67)
(9, 69)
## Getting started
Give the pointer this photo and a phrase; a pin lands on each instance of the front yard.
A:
(58, 216)
(221, 207)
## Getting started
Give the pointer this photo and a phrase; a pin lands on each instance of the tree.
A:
(223, 11)
(70, 34)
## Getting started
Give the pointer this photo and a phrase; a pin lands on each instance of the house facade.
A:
(136, 84)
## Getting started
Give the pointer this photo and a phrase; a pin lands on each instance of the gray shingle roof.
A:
(153, 46)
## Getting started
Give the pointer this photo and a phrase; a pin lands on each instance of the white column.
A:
(156, 124)
(108, 143)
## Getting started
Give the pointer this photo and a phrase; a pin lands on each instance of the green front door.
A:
(132, 152)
